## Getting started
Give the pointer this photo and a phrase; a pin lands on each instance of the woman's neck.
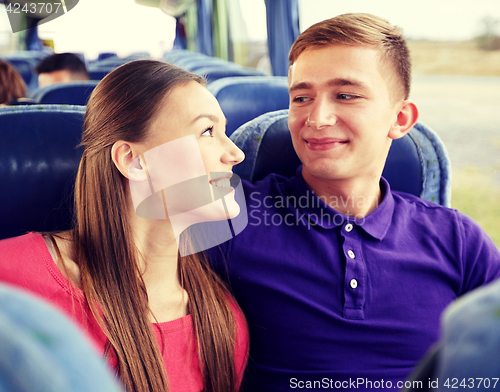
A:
(158, 262)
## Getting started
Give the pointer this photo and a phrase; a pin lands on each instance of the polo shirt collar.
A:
(376, 224)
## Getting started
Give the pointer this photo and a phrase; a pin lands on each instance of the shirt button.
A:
(351, 254)
(348, 227)
(353, 283)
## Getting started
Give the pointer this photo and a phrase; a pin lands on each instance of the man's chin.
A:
(326, 171)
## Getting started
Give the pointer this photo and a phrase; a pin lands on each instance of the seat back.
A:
(140, 55)
(197, 64)
(418, 163)
(70, 93)
(216, 72)
(105, 55)
(38, 164)
(98, 72)
(245, 98)
(183, 58)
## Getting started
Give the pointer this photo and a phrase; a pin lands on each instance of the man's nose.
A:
(322, 114)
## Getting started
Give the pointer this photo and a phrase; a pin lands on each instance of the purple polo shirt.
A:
(333, 303)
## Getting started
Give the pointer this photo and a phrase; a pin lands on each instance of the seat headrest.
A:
(70, 93)
(245, 98)
(417, 164)
(39, 159)
(215, 72)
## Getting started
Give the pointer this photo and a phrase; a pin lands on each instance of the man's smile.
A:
(323, 144)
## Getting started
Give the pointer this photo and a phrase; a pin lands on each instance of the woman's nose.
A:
(232, 155)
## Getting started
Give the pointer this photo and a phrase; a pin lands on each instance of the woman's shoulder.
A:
(24, 247)
(26, 262)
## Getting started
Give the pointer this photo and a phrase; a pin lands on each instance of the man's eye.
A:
(301, 99)
(347, 96)
(208, 132)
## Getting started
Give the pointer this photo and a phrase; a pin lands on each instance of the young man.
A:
(61, 68)
(346, 290)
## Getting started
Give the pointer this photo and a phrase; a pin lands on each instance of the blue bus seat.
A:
(107, 65)
(183, 60)
(245, 98)
(215, 72)
(110, 62)
(193, 63)
(105, 55)
(417, 164)
(173, 56)
(38, 164)
(101, 68)
(196, 64)
(97, 72)
(140, 55)
(70, 93)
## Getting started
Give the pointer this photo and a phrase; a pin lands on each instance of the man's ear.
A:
(128, 161)
(406, 119)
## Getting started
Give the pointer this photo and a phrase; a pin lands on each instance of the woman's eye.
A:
(208, 132)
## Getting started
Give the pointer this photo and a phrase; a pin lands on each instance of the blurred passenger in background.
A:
(42, 351)
(61, 68)
(12, 86)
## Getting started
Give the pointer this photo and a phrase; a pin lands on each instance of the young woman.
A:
(165, 322)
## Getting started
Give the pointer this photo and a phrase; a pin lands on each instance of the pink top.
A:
(26, 262)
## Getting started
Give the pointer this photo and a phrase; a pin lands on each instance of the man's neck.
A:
(355, 197)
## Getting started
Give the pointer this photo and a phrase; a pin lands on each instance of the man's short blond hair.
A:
(361, 30)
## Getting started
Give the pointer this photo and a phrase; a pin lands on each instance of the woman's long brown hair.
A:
(12, 85)
(122, 107)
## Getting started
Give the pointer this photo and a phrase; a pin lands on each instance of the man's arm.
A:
(480, 256)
